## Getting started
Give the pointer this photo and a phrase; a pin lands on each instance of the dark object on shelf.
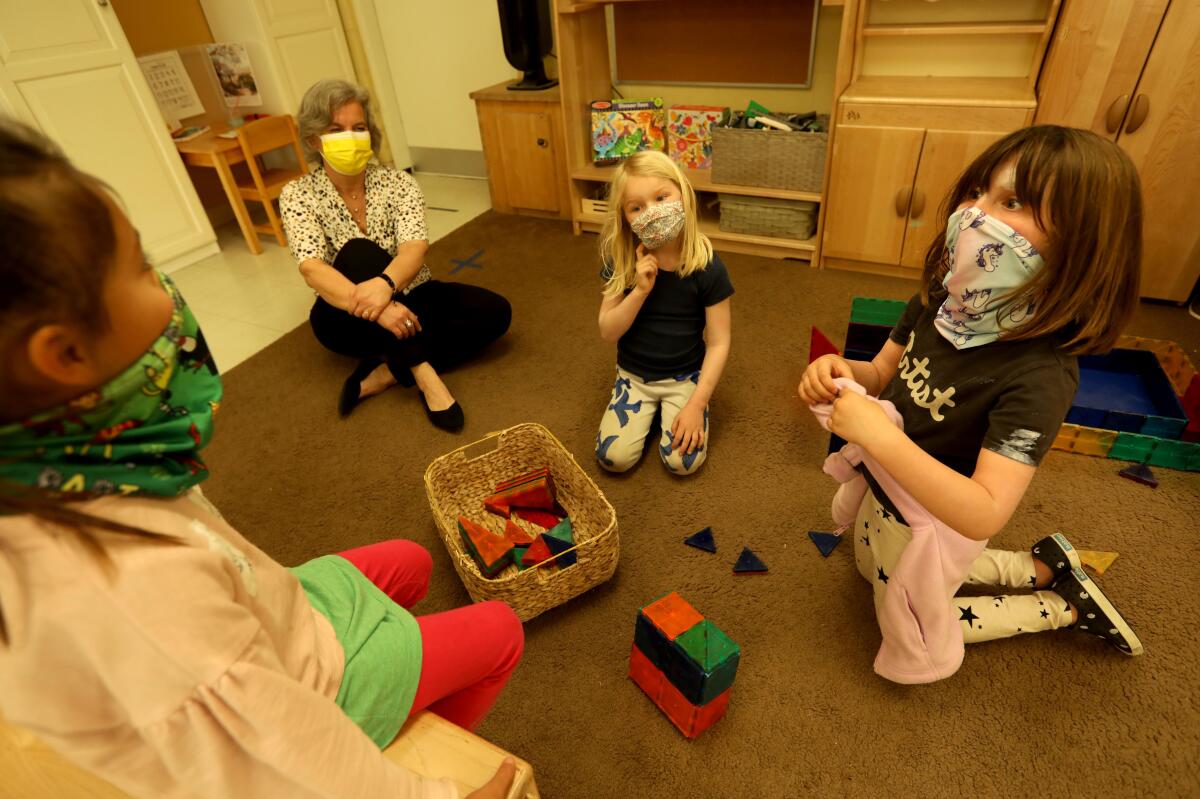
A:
(525, 27)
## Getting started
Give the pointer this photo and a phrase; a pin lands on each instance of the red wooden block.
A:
(517, 535)
(672, 614)
(490, 551)
(538, 493)
(524, 478)
(820, 345)
(645, 673)
(541, 518)
(538, 551)
(497, 508)
(1191, 399)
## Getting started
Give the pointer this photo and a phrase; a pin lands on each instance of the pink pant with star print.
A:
(879, 539)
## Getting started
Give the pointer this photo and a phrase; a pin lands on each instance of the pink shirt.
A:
(187, 666)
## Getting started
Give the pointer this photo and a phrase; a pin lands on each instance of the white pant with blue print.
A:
(630, 413)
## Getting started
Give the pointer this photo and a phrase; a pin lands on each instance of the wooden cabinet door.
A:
(945, 154)
(870, 183)
(528, 159)
(67, 69)
(1099, 49)
(1164, 143)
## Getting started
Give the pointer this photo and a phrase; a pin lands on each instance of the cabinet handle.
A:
(902, 198)
(1138, 114)
(918, 203)
(542, 142)
(1116, 112)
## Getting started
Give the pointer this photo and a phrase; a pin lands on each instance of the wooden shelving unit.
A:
(584, 76)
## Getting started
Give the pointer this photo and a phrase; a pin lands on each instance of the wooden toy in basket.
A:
(573, 555)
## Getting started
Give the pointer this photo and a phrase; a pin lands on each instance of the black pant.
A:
(457, 320)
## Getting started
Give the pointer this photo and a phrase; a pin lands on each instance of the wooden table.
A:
(212, 151)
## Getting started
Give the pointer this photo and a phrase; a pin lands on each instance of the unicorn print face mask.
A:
(659, 224)
(989, 262)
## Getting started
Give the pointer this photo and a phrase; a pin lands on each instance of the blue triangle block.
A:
(702, 540)
(1140, 473)
(749, 563)
(826, 542)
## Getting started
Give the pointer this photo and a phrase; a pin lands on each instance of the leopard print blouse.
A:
(318, 223)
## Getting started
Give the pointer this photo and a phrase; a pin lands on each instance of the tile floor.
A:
(244, 302)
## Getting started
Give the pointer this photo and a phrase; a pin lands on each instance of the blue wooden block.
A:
(702, 540)
(749, 563)
(1127, 391)
(826, 542)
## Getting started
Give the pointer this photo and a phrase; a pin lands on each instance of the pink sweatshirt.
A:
(922, 640)
(186, 666)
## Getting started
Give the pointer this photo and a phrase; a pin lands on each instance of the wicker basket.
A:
(765, 216)
(456, 484)
(773, 159)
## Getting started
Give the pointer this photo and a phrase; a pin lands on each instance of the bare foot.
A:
(437, 396)
(377, 382)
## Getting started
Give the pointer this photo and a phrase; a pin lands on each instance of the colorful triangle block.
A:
(702, 540)
(559, 546)
(491, 552)
(1140, 473)
(1098, 562)
(820, 345)
(563, 531)
(498, 508)
(749, 563)
(524, 478)
(826, 542)
(537, 553)
(517, 534)
(542, 518)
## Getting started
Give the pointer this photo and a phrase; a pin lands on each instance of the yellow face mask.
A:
(347, 152)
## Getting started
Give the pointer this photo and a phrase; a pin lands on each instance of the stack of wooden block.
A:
(684, 663)
(531, 498)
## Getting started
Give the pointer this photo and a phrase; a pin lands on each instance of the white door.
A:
(308, 41)
(66, 68)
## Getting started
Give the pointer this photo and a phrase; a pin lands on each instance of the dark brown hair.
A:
(57, 245)
(1085, 194)
(56, 240)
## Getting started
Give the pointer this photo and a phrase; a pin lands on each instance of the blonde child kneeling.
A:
(667, 306)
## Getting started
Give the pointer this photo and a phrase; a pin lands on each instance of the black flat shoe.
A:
(451, 419)
(352, 388)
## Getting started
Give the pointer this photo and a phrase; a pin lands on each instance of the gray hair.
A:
(316, 112)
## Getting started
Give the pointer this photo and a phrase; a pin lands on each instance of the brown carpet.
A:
(1056, 713)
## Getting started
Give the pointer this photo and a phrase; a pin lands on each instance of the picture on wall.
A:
(231, 63)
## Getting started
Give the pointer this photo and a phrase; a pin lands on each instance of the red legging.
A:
(467, 654)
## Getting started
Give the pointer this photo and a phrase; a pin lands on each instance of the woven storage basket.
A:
(765, 216)
(457, 483)
(773, 159)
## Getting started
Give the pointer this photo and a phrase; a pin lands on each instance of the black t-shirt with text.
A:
(1009, 397)
(666, 338)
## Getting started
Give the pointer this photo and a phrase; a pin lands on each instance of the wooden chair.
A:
(428, 745)
(263, 136)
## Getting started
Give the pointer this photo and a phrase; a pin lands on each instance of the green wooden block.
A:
(563, 531)
(1180, 455)
(1132, 447)
(875, 311)
(715, 657)
(517, 554)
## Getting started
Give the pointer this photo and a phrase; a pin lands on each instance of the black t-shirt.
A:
(666, 338)
(1009, 397)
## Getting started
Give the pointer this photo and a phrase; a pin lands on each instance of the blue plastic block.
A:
(698, 684)
(749, 563)
(702, 540)
(1127, 391)
(1139, 473)
(826, 542)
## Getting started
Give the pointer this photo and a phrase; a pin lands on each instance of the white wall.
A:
(438, 53)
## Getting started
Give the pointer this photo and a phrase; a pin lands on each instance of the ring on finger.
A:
(408, 323)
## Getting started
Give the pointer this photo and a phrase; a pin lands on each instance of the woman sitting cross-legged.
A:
(357, 230)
